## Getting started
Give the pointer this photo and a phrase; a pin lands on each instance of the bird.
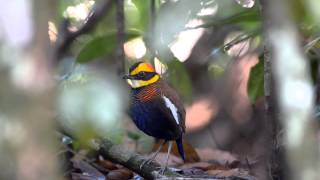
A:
(156, 108)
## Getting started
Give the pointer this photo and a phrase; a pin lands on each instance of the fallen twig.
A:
(118, 154)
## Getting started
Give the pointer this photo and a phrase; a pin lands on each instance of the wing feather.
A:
(172, 95)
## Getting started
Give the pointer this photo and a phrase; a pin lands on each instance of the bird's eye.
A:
(142, 73)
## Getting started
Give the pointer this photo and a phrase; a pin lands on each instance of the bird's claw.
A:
(147, 161)
(162, 170)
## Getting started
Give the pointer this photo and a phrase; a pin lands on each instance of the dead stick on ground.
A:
(132, 161)
(118, 154)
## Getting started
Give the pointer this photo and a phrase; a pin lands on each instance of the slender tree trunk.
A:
(293, 89)
(27, 146)
(120, 36)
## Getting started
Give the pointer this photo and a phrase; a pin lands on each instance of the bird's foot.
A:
(162, 170)
(147, 161)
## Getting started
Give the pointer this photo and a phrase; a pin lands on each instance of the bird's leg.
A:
(163, 169)
(147, 161)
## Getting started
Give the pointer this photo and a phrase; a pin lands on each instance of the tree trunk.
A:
(293, 90)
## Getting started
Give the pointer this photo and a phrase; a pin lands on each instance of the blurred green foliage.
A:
(134, 136)
(102, 46)
(179, 78)
(91, 105)
(256, 82)
(247, 19)
(171, 19)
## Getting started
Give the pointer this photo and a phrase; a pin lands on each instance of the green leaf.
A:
(102, 46)
(255, 86)
(248, 18)
(134, 136)
(142, 14)
(180, 80)
(250, 15)
(216, 70)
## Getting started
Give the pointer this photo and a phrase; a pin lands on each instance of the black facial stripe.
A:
(144, 76)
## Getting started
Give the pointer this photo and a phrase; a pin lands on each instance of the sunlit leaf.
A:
(219, 63)
(160, 67)
(102, 46)
(143, 14)
(132, 14)
(255, 86)
(135, 48)
(246, 3)
(179, 78)
(216, 70)
(171, 20)
(62, 6)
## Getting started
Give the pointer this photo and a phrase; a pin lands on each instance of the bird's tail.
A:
(180, 147)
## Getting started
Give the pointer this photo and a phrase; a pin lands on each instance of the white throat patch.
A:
(172, 107)
(134, 83)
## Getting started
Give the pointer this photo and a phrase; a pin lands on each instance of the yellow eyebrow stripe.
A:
(142, 67)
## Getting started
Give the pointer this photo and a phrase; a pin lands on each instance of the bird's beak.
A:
(129, 79)
(127, 76)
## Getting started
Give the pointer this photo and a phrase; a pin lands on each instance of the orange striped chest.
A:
(148, 93)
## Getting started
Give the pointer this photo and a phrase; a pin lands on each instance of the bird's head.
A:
(141, 74)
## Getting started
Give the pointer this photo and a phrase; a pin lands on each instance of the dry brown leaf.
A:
(192, 171)
(221, 157)
(217, 167)
(199, 165)
(227, 173)
(118, 174)
(107, 164)
(86, 168)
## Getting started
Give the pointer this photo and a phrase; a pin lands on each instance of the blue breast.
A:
(149, 118)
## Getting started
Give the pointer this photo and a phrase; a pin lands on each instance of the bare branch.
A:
(120, 155)
(132, 161)
(66, 37)
(120, 36)
(152, 21)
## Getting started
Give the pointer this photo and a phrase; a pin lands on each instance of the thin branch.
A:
(120, 36)
(310, 44)
(66, 37)
(152, 27)
(240, 38)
